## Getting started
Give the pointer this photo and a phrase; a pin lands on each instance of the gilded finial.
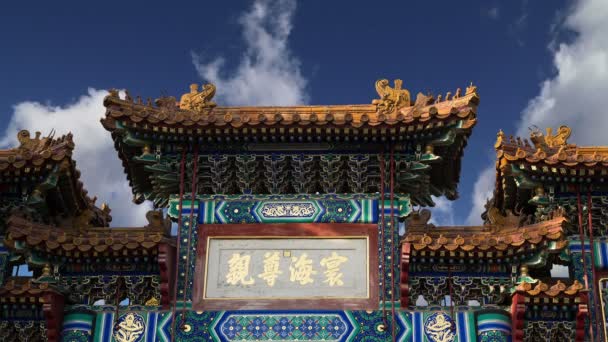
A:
(46, 270)
(523, 270)
(447, 96)
(540, 191)
(471, 89)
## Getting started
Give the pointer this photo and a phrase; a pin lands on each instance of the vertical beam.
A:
(581, 317)
(404, 285)
(518, 309)
(166, 264)
(53, 314)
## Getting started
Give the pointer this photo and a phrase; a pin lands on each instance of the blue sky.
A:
(523, 55)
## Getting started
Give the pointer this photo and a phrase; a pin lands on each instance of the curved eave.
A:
(342, 116)
(484, 239)
(89, 241)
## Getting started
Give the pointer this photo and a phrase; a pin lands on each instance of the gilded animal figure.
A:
(549, 140)
(391, 99)
(198, 101)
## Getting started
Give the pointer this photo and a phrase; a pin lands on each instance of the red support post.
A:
(179, 235)
(53, 314)
(404, 276)
(518, 309)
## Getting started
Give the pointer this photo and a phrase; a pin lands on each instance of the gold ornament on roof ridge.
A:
(198, 100)
(391, 99)
(550, 141)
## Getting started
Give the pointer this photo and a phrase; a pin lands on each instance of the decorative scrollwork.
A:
(288, 209)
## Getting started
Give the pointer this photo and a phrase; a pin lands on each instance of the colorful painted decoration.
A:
(130, 327)
(439, 327)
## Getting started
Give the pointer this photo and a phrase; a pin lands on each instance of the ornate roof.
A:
(36, 153)
(502, 238)
(391, 110)
(528, 169)
(90, 241)
(297, 149)
(40, 173)
(550, 150)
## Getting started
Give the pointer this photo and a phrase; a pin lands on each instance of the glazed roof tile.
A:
(90, 241)
(550, 149)
(486, 238)
(34, 152)
(24, 287)
(558, 289)
(168, 113)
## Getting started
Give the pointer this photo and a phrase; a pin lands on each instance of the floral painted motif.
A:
(257, 328)
(283, 327)
(310, 328)
(231, 328)
(336, 328)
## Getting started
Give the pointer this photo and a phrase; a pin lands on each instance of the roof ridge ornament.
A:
(198, 100)
(36, 144)
(391, 99)
(550, 141)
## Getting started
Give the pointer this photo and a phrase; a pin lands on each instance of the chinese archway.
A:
(303, 223)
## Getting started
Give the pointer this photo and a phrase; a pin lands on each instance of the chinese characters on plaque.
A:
(301, 269)
(286, 268)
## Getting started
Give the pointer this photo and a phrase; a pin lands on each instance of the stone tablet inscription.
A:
(287, 268)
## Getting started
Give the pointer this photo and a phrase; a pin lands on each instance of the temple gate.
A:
(302, 223)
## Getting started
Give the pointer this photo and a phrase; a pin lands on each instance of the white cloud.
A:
(268, 73)
(575, 95)
(101, 169)
(482, 191)
(442, 212)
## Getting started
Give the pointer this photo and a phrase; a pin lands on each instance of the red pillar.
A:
(518, 309)
(52, 308)
(404, 286)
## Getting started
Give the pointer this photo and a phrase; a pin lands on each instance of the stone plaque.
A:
(294, 267)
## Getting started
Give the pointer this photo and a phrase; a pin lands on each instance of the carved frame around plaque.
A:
(353, 247)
